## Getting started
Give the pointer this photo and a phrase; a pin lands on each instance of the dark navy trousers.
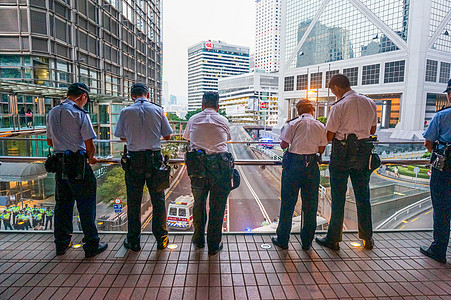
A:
(217, 183)
(297, 175)
(135, 184)
(441, 203)
(83, 192)
(339, 184)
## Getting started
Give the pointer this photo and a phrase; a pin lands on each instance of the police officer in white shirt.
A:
(304, 137)
(210, 167)
(352, 120)
(142, 125)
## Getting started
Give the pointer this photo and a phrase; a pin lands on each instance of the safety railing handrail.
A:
(229, 142)
(403, 210)
(178, 161)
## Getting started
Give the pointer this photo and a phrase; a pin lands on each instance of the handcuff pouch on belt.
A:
(354, 154)
(73, 165)
(51, 163)
(441, 156)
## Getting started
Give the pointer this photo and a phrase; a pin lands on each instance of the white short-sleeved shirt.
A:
(143, 124)
(69, 126)
(304, 134)
(354, 113)
(208, 131)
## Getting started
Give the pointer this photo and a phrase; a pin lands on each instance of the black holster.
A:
(51, 163)
(351, 153)
(441, 156)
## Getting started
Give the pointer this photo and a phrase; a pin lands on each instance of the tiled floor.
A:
(243, 270)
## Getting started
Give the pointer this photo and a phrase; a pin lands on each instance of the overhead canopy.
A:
(16, 172)
(18, 87)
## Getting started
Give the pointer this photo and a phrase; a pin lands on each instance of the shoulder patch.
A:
(156, 104)
(80, 109)
(293, 119)
(443, 108)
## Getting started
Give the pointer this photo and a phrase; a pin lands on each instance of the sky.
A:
(187, 22)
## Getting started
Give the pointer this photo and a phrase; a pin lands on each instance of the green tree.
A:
(323, 120)
(113, 187)
(174, 117)
(192, 113)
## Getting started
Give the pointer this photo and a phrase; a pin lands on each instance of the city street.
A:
(249, 205)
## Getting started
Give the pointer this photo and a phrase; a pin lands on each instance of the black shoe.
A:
(213, 252)
(323, 241)
(163, 244)
(276, 242)
(198, 245)
(102, 247)
(368, 244)
(306, 247)
(428, 252)
(132, 246)
(62, 250)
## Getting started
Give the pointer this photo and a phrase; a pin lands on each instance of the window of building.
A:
(394, 71)
(316, 80)
(445, 75)
(302, 82)
(352, 74)
(329, 75)
(370, 74)
(289, 83)
(431, 70)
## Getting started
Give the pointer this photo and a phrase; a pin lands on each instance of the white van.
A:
(180, 213)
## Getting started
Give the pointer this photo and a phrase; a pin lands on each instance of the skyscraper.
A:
(267, 34)
(107, 44)
(207, 62)
(395, 51)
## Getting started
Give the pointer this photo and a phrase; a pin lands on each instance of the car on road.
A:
(180, 213)
(266, 143)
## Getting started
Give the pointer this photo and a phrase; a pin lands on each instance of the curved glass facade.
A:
(342, 31)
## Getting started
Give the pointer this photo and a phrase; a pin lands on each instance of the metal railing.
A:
(424, 203)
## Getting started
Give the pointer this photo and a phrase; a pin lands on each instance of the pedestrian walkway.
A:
(395, 269)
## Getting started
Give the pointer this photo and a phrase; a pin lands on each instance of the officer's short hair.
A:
(139, 89)
(340, 81)
(210, 99)
(304, 106)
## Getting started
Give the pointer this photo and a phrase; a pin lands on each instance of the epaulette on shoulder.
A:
(292, 119)
(443, 108)
(80, 109)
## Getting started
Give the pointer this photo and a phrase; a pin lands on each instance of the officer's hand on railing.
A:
(92, 161)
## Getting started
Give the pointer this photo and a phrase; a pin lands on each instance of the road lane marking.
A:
(404, 221)
(414, 220)
(254, 194)
(403, 226)
(428, 212)
(257, 199)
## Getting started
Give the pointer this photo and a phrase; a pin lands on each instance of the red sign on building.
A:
(264, 105)
(209, 45)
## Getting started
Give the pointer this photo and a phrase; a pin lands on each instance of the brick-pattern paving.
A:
(394, 269)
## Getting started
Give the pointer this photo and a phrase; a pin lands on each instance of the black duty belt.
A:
(306, 157)
(151, 152)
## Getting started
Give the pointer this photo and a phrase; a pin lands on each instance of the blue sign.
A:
(117, 208)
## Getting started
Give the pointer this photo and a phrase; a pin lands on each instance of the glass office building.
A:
(394, 51)
(106, 44)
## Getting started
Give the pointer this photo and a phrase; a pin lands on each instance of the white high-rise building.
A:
(267, 35)
(397, 52)
(207, 62)
(165, 100)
